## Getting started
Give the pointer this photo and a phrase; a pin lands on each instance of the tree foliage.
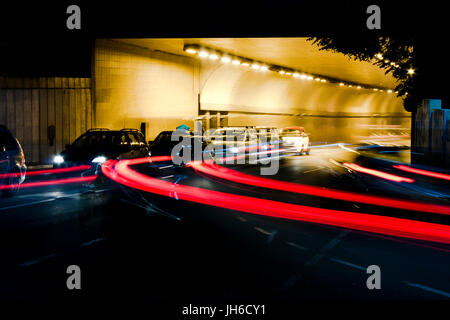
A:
(395, 56)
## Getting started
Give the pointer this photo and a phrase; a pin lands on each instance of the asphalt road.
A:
(134, 245)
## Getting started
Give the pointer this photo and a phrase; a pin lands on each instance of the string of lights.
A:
(216, 55)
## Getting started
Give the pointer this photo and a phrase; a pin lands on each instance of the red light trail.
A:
(51, 182)
(48, 171)
(423, 172)
(121, 172)
(212, 169)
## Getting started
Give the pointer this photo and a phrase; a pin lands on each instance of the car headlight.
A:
(99, 159)
(58, 159)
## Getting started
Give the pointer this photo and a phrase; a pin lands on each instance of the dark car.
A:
(96, 146)
(12, 163)
(163, 144)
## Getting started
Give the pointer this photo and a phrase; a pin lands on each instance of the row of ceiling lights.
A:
(206, 53)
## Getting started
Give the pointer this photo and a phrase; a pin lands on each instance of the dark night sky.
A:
(36, 42)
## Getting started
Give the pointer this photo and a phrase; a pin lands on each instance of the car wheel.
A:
(13, 183)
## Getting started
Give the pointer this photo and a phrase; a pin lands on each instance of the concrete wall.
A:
(134, 85)
(328, 112)
(28, 106)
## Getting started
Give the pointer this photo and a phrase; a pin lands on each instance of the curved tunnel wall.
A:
(329, 112)
(134, 84)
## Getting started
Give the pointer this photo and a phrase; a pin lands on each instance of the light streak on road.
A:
(213, 169)
(423, 172)
(48, 171)
(377, 173)
(51, 182)
(121, 172)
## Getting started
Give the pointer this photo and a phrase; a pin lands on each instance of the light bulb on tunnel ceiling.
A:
(264, 68)
(214, 56)
(203, 54)
(386, 61)
(282, 72)
(379, 56)
(375, 89)
(296, 75)
(411, 71)
(303, 76)
(389, 91)
(350, 86)
(191, 51)
(317, 79)
(255, 66)
(358, 87)
(396, 92)
(245, 64)
(288, 73)
(341, 84)
(225, 59)
(323, 80)
(309, 78)
(236, 61)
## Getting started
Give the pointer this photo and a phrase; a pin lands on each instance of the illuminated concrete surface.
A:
(155, 81)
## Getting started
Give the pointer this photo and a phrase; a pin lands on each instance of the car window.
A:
(7, 140)
(139, 138)
(81, 141)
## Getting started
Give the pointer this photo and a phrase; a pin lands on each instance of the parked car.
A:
(12, 163)
(295, 139)
(95, 146)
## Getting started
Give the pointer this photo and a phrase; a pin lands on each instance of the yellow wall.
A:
(134, 85)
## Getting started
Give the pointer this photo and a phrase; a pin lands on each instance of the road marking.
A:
(271, 234)
(348, 264)
(330, 245)
(88, 243)
(165, 167)
(440, 292)
(40, 259)
(319, 255)
(241, 219)
(53, 255)
(296, 246)
(26, 204)
(268, 233)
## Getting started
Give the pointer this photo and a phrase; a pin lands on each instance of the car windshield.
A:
(292, 132)
(102, 139)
